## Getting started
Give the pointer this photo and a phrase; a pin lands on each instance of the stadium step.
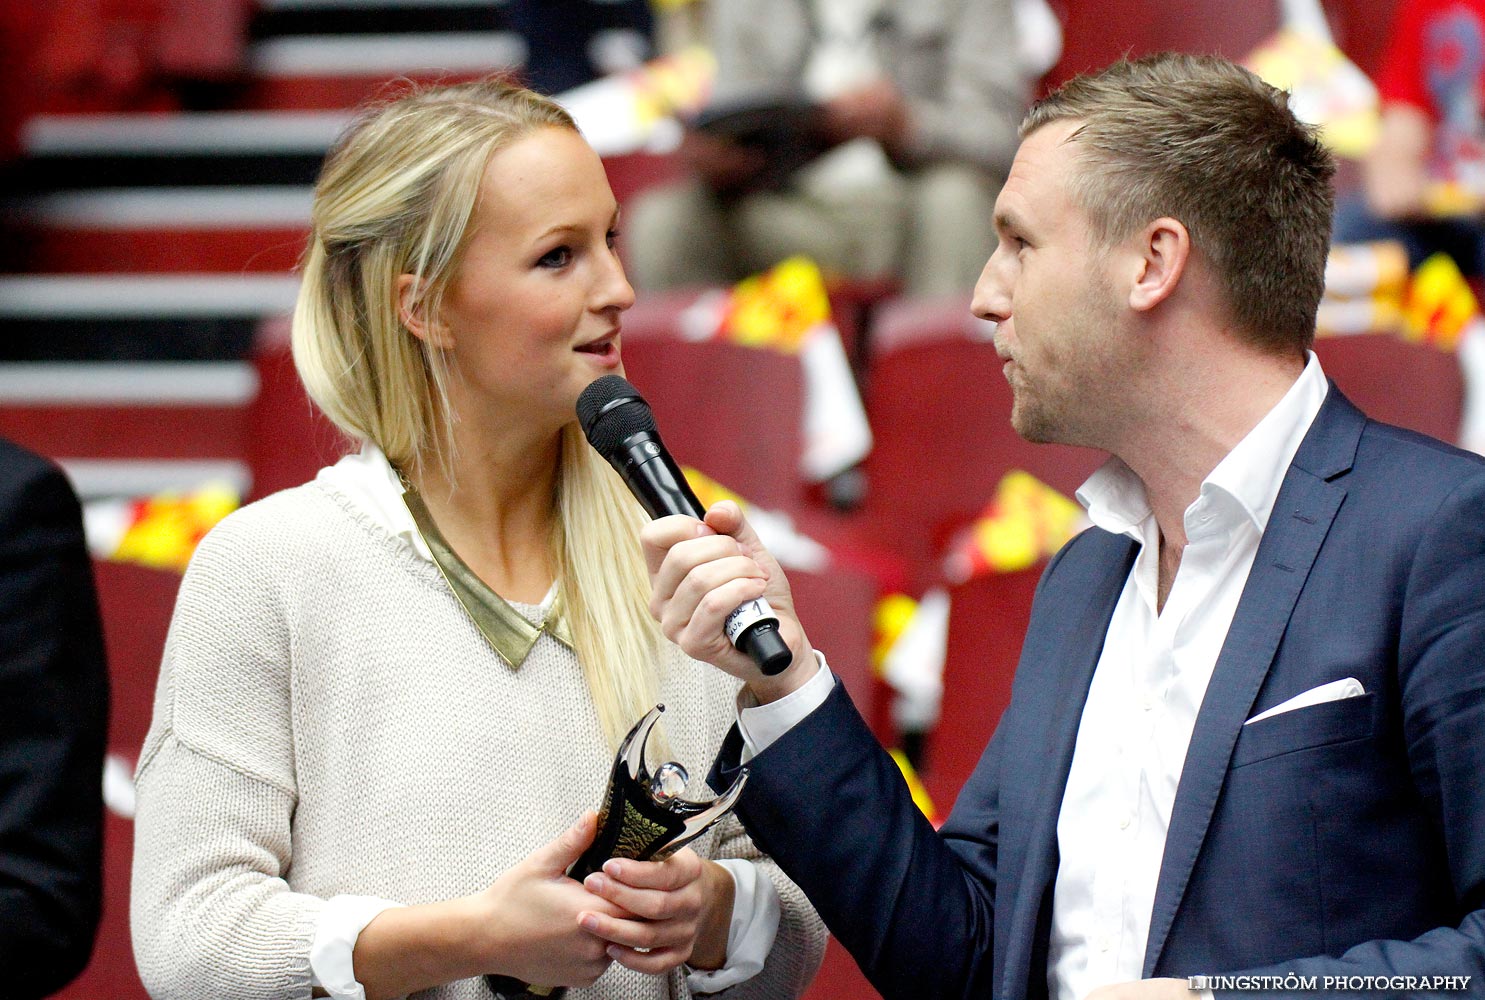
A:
(130, 317)
(323, 54)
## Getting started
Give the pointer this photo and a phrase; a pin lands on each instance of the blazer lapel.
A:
(1306, 505)
(1064, 652)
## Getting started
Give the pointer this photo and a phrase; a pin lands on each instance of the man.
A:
(917, 103)
(53, 722)
(1424, 178)
(1247, 732)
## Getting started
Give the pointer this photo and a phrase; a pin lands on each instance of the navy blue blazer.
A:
(53, 724)
(1342, 838)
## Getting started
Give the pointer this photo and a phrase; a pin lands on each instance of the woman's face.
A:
(532, 315)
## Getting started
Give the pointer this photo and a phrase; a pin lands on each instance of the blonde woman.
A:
(388, 693)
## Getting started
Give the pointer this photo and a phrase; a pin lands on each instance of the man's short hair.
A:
(1202, 140)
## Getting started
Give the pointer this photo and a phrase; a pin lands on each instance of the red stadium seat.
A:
(987, 621)
(1398, 382)
(734, 412)
(836, 606)
(940, 413)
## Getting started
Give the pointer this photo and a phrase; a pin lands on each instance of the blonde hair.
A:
(395, 197)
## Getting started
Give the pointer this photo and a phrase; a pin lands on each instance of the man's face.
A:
(1051, 295)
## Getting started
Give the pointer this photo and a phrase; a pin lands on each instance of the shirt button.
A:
(1104, 944)
(1148, 704)
(1124, 823)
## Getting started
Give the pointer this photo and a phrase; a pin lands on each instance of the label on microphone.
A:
(743, 616)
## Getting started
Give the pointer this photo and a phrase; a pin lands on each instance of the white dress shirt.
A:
(367, 478)
(1147, 688)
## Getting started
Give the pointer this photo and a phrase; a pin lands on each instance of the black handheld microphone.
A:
(619, 425)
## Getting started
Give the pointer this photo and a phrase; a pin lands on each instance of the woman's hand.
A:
(533, 914)
(524, 925)
(681, 910)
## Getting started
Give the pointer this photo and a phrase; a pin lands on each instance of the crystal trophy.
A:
(643, 818)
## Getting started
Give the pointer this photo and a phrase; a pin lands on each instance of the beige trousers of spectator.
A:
(930, 228)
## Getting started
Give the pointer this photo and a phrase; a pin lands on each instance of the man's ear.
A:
(1164, 249)
(412, 309)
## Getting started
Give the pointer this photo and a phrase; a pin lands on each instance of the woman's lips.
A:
(605, 349)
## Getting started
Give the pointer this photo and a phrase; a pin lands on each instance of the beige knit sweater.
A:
(329, 721)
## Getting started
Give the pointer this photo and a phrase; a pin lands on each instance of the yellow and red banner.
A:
(1440, 304)
(778, 309)
(159, 531)
(890, 619)
(786, 309)
(1368, 290)
(1027, 521)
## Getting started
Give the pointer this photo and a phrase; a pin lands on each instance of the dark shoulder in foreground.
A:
(34, 491)
(22, 463)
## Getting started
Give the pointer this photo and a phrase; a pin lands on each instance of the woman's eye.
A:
(613, 238)
(556, 257)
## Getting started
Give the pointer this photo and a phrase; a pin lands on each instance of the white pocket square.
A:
(1346, 687)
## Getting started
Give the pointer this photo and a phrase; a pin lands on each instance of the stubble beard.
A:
(1030, 422)
(1042, 421)
(1072, 410)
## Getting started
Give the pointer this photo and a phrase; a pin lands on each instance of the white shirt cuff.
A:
(340, 924)
(755, 921)
(761, 725)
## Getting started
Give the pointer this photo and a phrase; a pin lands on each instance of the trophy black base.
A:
(511, 988)
(643, 819)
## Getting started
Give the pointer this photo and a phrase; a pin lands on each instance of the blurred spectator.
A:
(54, 693)
(920, 102)
(1424, 181)
(117, 55)
(570, 42)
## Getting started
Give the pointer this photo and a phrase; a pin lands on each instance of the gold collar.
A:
(504, 628)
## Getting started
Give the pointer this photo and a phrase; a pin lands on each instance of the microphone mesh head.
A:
(610, 410)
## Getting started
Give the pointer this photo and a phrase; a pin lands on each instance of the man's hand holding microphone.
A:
(699, 572)
(716, 591)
